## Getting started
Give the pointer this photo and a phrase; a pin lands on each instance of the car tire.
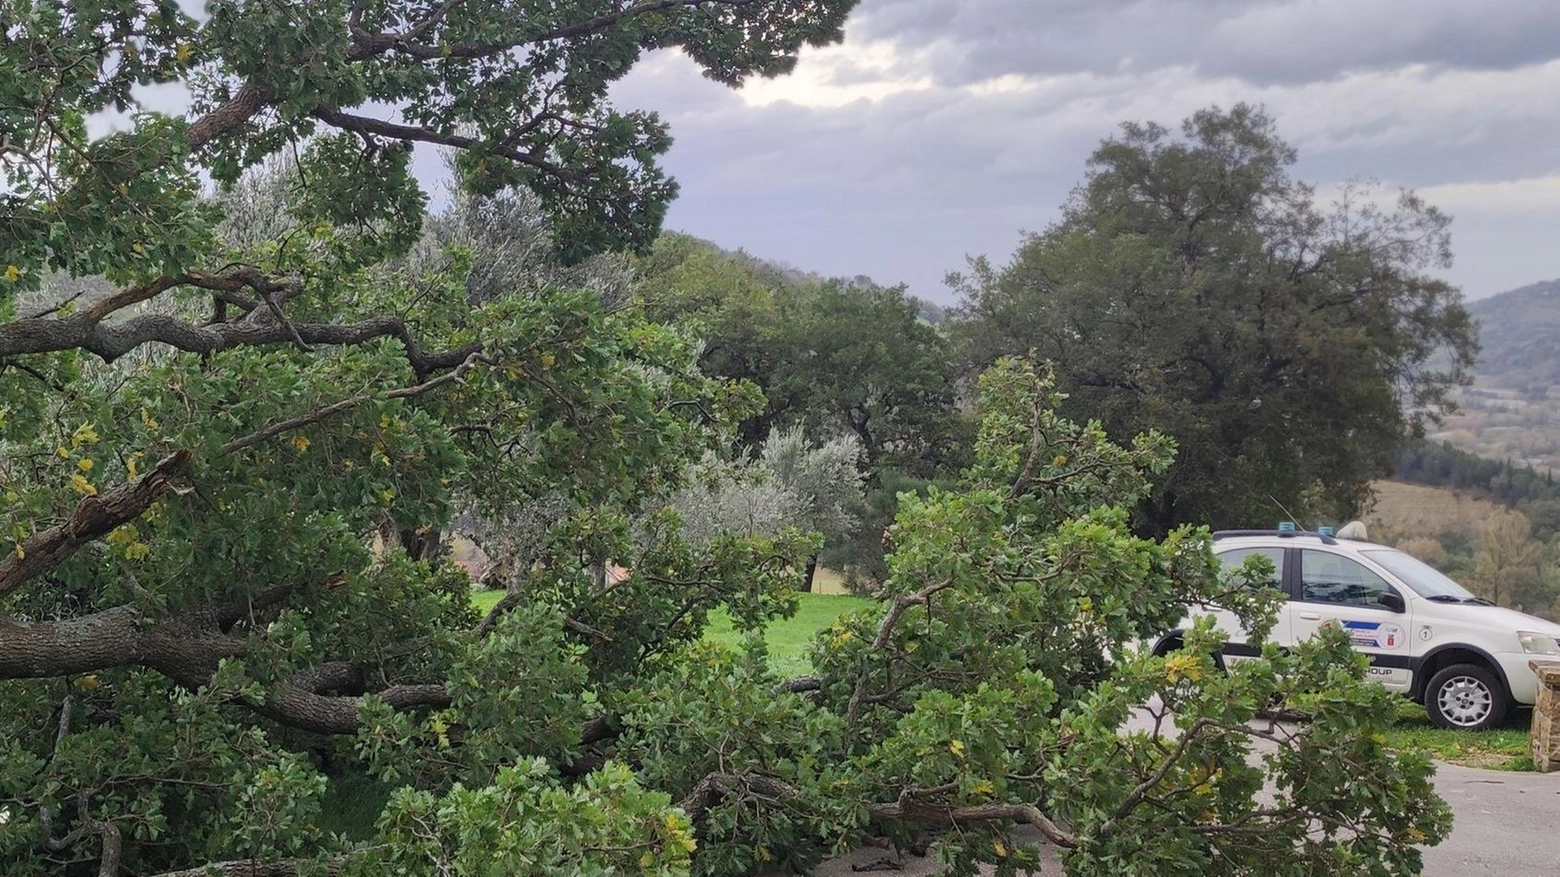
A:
(1466, 697)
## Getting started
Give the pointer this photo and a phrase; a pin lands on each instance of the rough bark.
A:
(187, 649)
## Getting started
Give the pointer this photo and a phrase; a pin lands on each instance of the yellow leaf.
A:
(183, 53)
(762, 852)
(671, 823)
(85, 464)
(957, 748)
(647, 860)
(85, 434)
(688, 843)
(1001, 850)
(82, 485)
(138, 247)
(983, 787)
(123, 189)
(64, 453)
(1183, 666)
(300, 442)
(20, 554)
(137, 551)
(548, 359)
(12, 273)
(130, 465)
(88, 682)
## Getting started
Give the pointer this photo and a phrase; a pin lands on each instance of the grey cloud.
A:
(1255, 40)
(903, 187)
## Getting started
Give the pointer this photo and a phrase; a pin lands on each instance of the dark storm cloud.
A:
(1256, 40)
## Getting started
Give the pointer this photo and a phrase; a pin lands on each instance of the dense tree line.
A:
(1440, 464)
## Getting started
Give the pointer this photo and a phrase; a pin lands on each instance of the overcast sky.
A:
(940, 128)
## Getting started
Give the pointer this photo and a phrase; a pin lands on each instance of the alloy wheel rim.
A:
(1465, 701)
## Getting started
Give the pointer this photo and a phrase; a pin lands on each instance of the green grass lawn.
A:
(788, 638)
(1502, 749)
(485, 600)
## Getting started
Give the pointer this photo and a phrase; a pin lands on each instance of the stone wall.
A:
(1544, 741)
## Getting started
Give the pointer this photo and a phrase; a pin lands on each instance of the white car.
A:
(1461, 656)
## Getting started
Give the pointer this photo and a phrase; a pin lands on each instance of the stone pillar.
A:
(1544, 740)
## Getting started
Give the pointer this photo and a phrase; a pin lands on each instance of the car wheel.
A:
(1466, 697)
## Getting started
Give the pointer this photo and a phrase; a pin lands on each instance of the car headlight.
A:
(1538, 643)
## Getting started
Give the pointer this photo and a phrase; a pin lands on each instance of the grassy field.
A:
(788, 638)
(1427, 511)
(485, 600)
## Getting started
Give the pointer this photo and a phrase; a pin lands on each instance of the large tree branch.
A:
(187, 649)
(896, 610)
(302, 703)
(396, 131)
(85, 331)
(253, 868)
(94, 517)
(912, 811)
(370, 44)
(244, 105)
(325, 412)
(909, 808)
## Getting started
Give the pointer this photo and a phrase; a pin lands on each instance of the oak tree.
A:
(1290, 345)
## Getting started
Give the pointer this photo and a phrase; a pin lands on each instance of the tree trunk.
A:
(812, 570)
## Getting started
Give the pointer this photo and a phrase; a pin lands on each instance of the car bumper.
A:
(1519, 676)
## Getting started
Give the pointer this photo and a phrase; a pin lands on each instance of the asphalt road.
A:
(1505, 823)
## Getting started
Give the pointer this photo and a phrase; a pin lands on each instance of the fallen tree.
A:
(205, 656)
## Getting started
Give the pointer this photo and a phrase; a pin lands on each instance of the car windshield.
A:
(1426, 580)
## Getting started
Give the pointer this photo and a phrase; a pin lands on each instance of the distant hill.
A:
(1520, 333)
(1512, 412)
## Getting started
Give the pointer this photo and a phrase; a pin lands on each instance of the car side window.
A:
(1235, 558)
(1332, 578)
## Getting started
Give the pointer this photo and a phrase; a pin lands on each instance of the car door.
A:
(1336, 589)
(1239, 647)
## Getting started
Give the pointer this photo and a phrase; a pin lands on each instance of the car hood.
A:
(1495, 616)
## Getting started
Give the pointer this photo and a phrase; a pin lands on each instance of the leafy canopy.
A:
(1193, 286)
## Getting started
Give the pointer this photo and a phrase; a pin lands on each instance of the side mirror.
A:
(1392, 600)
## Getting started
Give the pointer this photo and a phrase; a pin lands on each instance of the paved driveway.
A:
(1506, 823)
